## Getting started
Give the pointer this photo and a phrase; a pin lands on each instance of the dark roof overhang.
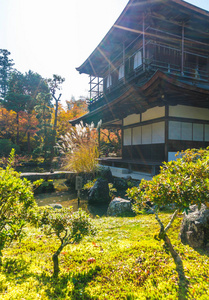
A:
(159, 90)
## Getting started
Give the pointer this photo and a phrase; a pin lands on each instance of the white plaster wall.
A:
(147, 134)
(131, 119)
(153, 113)
(183, 111)
(198, 133)
(127, 137)
(137, 135)
(174, 132)
(158, 133)
(207, 133)
(186, 131)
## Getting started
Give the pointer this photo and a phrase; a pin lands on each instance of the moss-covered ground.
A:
(128, 263)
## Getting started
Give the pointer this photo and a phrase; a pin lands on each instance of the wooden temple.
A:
(150, 77)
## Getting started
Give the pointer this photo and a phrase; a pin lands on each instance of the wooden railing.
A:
(192, 71)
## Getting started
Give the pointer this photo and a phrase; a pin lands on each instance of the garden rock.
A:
(56, 206)
(119, 206)
(195, 227)
(106, 173)
(99, 193)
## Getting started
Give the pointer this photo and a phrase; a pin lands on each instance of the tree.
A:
(110, 140)
(6, 65)
(22, 96)
(34, 84)
(44, 115)
(16, 98)
(180, 183)
(55, 85)
(16, 204)
(8, 124)
(75, 109)
(68, 227)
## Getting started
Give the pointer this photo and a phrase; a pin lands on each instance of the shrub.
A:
(83, 159)
(16, 204)
(68, 227)
(180, 183)
(6, 147)
(80, 149)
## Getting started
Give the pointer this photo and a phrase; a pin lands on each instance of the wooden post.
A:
(78, 187)
(97, 87)
(166, 131)
(143, 37)
(90, 86)
(124, 61)
(99, 140)
(182, 50)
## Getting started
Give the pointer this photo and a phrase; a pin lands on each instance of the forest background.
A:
(32, 117)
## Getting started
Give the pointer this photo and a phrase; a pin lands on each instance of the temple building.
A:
(149, 76)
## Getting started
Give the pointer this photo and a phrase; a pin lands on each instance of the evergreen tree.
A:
(6, 65)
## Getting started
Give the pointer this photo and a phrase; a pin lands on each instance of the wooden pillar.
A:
(182, 50)
(110, 79)
(90, 86)
(99, 141)
(124, 78)
(166, 131)
(143, 40)
(98, 87)
(122, 139)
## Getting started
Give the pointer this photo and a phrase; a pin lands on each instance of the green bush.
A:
(16, 204)
(180, 183)
(68, 226)
(6, 147)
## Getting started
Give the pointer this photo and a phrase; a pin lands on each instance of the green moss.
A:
(129, 264)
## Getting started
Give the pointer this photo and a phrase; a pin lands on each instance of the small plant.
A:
(45, 186)
(89, 185)
(112, 190)
(69, 227)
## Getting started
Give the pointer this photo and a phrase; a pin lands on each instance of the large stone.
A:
(99, 193)
(195, 227)
(106, 173)
(119, 206)
(56, 205)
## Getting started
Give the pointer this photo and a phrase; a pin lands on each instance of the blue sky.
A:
(55, 37)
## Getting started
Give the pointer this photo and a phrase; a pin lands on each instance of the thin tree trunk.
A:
(28, 133)
(29, 148)
(54, 133)
(55, 259)
(18, 133)
(183, 282)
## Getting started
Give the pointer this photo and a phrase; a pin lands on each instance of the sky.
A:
(56, 36)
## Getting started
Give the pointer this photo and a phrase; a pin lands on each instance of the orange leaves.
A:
(8, 122)
(95, 245)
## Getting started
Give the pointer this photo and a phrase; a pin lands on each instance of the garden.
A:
(51, 253)
(64, 252)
